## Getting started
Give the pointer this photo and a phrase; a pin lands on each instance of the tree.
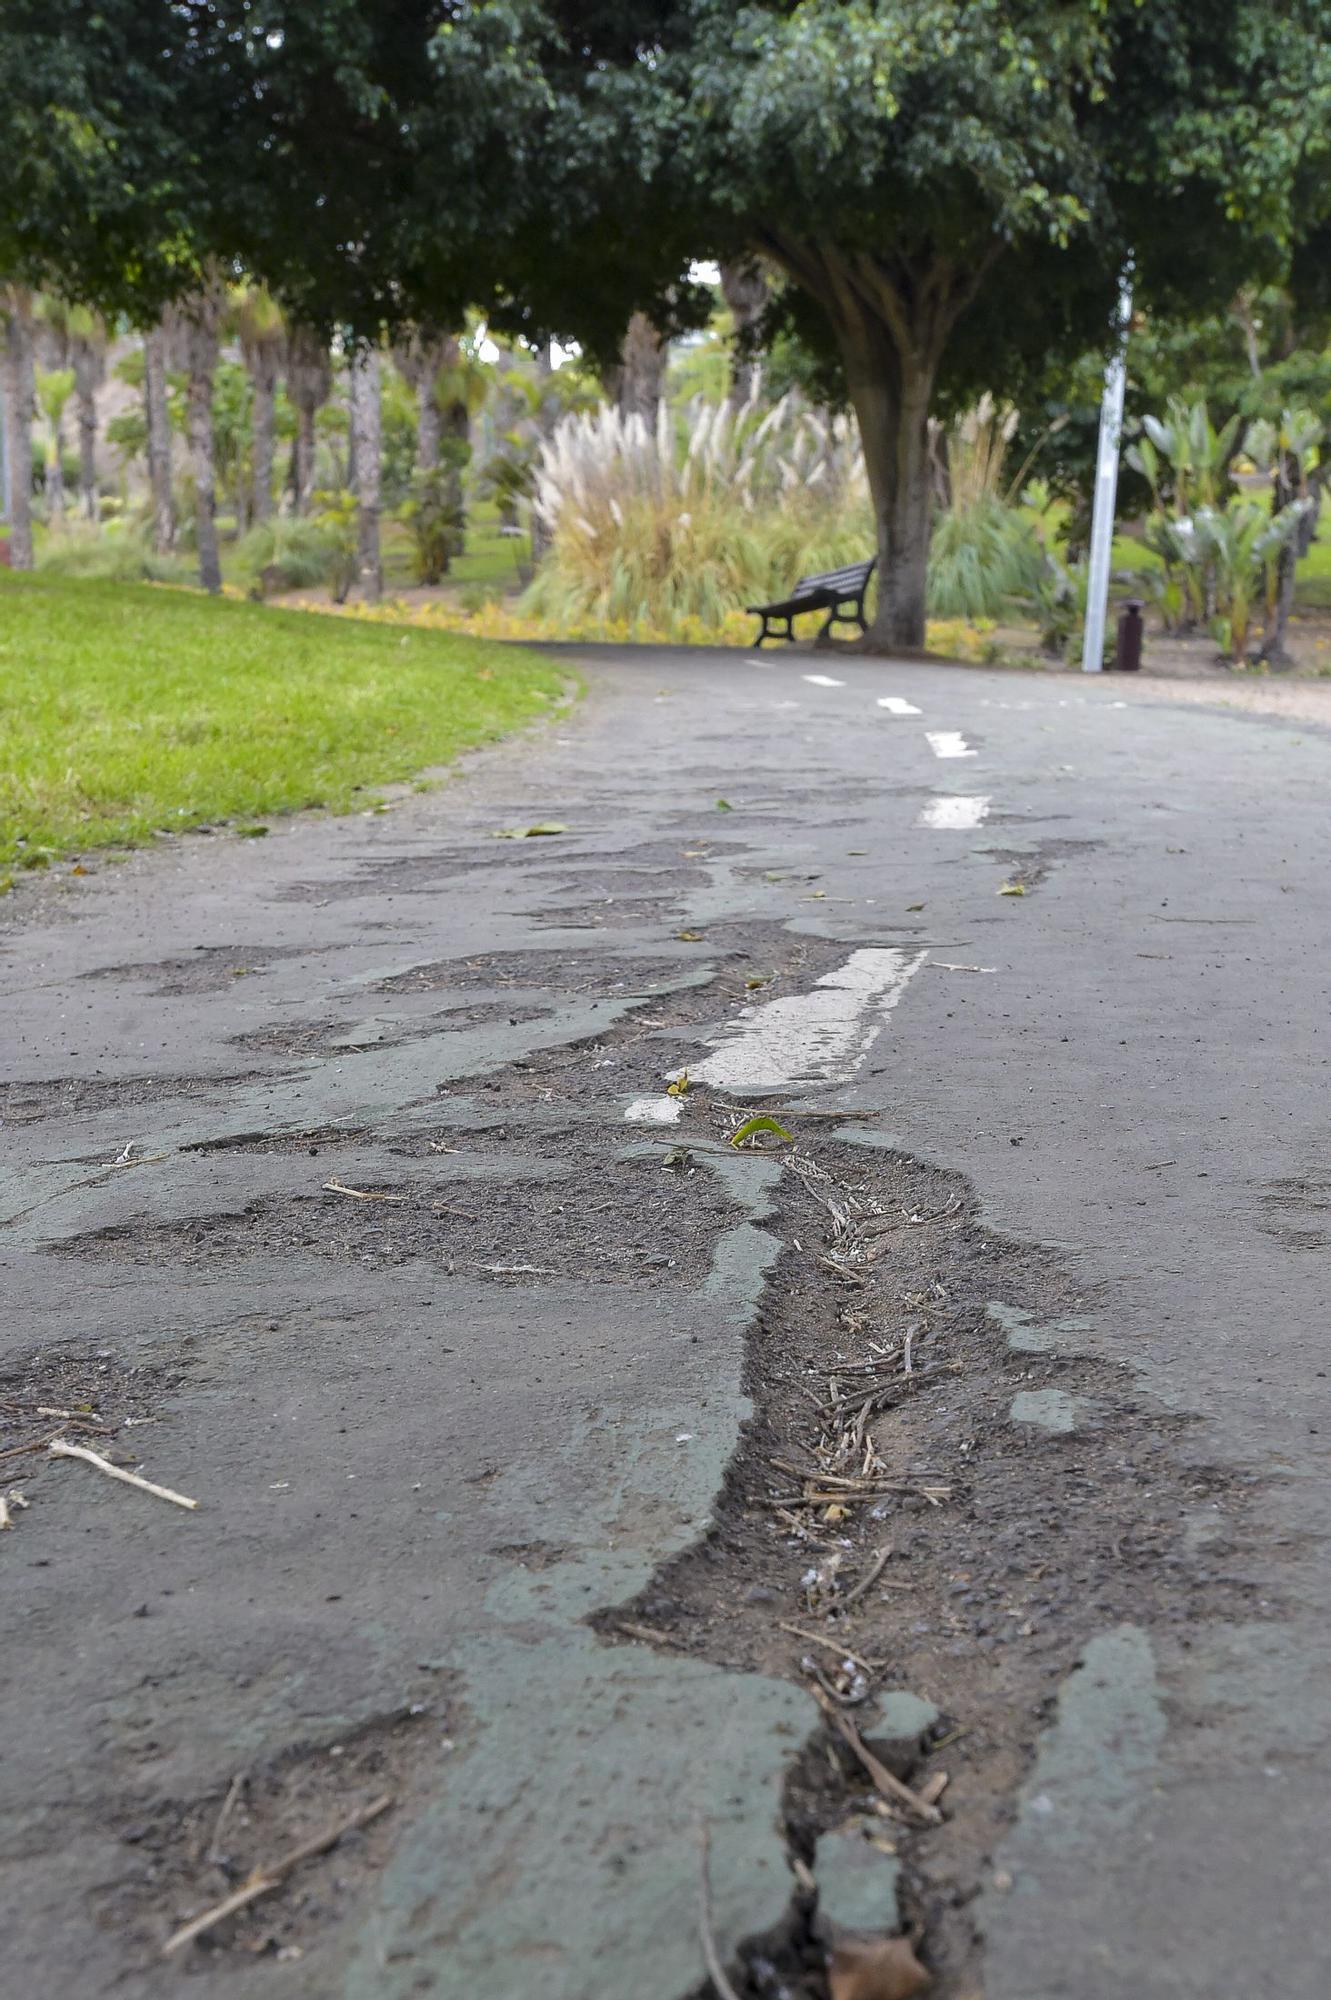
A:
(20, 401)
(309, 385)
(636, 380)
(363, 372)
(261, 331)
(157, 428)
(195, 331)
(744, 289)
(88, 343)
(55, 386)
(951, 187)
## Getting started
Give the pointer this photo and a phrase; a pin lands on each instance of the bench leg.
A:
(762, 635)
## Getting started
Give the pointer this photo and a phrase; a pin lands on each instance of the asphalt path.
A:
(419, 1475)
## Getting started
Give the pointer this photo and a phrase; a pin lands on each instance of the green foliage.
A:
(691, 522)
(435, 519)
(124, 710)
(117, 552)
(282, 554)
(337, 517)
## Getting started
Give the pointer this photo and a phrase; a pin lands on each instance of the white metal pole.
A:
(1106, 490)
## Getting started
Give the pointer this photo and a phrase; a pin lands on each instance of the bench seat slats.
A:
(827, 591)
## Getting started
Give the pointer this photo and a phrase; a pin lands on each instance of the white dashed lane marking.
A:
(894, 705)
(959, 811)
(948, 743)
(823, 681)
(816, 1037)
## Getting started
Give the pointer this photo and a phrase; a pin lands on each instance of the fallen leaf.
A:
(79, 869)
(836, 1512)
(1013, 889)
(252, 832)
(724, 806)
(762, 1123)
(678, 1156)
(915, 906)
(756, 979)
(689, 937)
(680, 1086)
(875, 1969)
(542, 827)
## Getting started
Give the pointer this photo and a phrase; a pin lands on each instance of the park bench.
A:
(828, 592)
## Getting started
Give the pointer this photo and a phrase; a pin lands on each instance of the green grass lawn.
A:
(126, 708)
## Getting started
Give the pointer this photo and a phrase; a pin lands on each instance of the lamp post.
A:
(1106, 489)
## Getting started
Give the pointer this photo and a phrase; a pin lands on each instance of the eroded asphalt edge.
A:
(724, 715)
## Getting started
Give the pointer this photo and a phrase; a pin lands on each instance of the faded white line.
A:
(948, 743)
(654, 1111)
(960, 810)
(894, 705)
(816, 1037)
(822, 681)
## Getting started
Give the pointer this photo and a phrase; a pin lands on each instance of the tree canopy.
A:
(951, 187)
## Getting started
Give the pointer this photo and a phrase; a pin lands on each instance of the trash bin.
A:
(1128, 643)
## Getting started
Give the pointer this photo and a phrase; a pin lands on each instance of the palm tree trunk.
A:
(366, 444)
(262, 423)
(88, 454)
(55, 472)
(20, 407)
(309, 381)
(159, 441)
(199, 323)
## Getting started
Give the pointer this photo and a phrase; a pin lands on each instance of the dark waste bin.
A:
(1128, 643)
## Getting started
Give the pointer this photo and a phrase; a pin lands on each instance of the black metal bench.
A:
(828, 593)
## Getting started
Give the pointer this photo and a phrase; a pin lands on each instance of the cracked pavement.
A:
(433, 1432)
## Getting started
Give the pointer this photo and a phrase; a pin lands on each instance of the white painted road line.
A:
(816, 1037)
(896, 706)
(823, 681)
(662, 1110)
(948, 743)
(961, 810)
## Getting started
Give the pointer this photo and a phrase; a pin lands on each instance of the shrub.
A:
(283, 554)
(116, 552)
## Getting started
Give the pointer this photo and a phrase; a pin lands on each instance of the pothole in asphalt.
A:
(604, 1220)
(94, 1400)
(306, 1038)
(552, 969)
(934, 1510)
(1030, 866)
(185, 1857)
(209, 969)
(75, 1096)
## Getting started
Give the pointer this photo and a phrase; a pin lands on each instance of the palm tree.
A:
(309, 385)
(261, 331)
(196, 332)
(637, 382)
(20, 406)
(55, 386)
(450, 385)
(366, 444)
(158, 428)
(88, 343)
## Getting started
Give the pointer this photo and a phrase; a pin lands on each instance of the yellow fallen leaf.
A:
(836, 1512)
(689, 937)
(1013, 889)
(680, 1086)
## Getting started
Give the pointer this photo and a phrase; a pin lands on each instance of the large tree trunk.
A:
(159, 441)
(744, 288)
(20, 408)
(198, 322)
(366, 443)
(637, 383)
(891, 392)
(309, 385)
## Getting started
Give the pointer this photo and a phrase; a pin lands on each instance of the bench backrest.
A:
(850, 579)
